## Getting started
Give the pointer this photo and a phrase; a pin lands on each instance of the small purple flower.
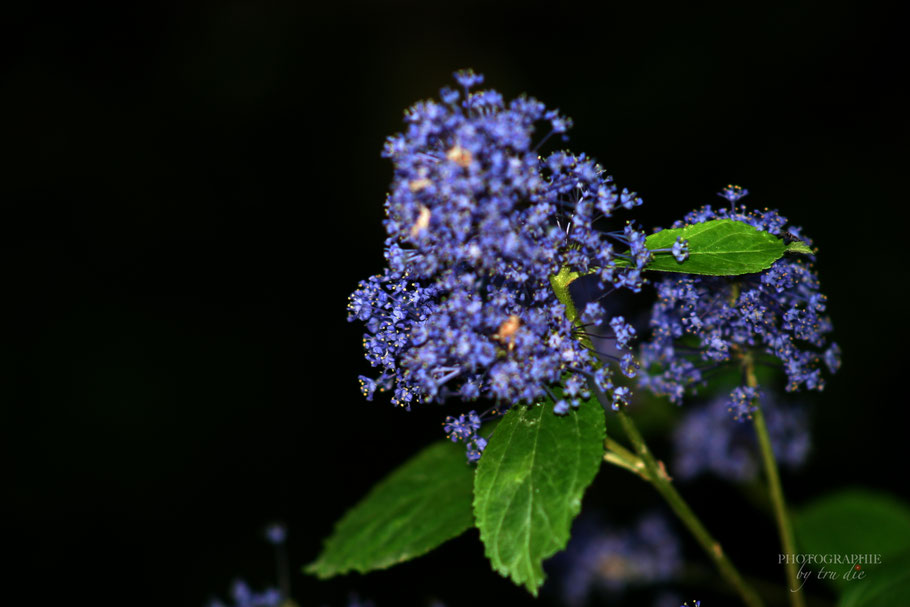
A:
(475, 448)
(468, 79)
(624, 331)
(464, 429)
(741, 402)
(733, 193)
(621, 396)
(680, 249)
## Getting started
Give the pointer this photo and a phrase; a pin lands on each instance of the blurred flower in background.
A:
(242, 595)
(276, 534)
(709, 440)
(599, 559)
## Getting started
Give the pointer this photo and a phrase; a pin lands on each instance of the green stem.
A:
(560, 283)
(619, 456)
(654, 472)
(772, 592)
(621, 462)
(662, 482)
(775, 489)
(616, 447)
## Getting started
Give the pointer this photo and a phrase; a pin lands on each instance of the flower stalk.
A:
(775, 489)
(619, 456)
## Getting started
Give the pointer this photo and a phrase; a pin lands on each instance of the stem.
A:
(281, 562)
(654, 471)
(619, 456)
(621, 462)
(614, 446)
(775, 489)
(560, 283)
(702, 576)
(661, 481)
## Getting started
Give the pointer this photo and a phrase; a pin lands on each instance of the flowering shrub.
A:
(486, 234)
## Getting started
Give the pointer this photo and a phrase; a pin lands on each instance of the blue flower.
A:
(701, 322)
(464, 428)
(477, 224)
(733, 193)
(680, 249)
(624, 331)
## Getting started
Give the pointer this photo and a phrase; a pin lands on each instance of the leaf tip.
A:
(314, 569)
(800, 247)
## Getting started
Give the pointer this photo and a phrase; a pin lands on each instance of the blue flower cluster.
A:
(610, 560)
(471, 193)
(702, 322)
(477, 225)
(708, 440)
(464, 428)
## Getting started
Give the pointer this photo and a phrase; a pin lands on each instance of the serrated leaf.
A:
(420, 505)
(721, 247)
(529, 484)
(856, 522)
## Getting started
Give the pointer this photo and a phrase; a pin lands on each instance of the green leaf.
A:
(800, 247)
(722, 247)
(888, 585)
(856, 522)
(530, 482)
(420, 505)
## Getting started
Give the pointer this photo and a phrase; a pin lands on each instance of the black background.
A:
(191, 190)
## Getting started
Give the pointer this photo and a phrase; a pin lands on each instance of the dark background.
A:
(191, 190)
